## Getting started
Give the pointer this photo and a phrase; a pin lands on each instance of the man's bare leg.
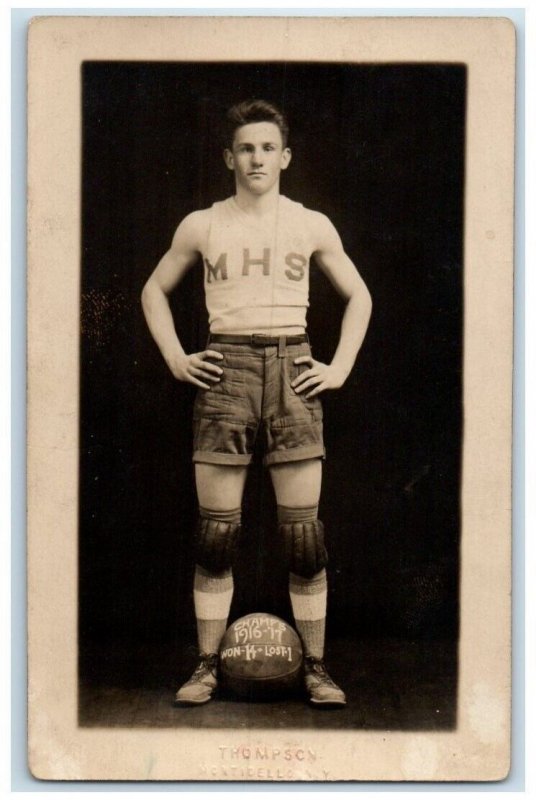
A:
(219, 491)
(220, 486)
(297, 488)
(297, 483)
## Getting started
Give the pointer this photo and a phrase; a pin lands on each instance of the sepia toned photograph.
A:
(270, 350)
(286, 244)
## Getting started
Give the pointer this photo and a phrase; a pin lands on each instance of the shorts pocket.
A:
(226, 398)
(292, 371)
(231, 382)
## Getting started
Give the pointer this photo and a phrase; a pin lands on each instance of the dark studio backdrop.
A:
(380, 150)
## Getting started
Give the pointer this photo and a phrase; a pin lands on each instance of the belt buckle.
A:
(258, 340)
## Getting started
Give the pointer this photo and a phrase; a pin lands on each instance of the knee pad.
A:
(305, 550)
(215, 544)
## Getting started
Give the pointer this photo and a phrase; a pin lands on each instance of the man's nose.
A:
(257, 157)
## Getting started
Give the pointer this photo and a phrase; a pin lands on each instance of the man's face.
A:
(257, 157)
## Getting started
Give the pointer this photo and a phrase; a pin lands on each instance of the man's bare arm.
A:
(170, 270)
(345, 278)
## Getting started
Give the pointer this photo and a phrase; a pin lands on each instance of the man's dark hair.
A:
(254, 111)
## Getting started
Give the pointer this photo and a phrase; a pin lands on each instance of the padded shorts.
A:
(254, 394)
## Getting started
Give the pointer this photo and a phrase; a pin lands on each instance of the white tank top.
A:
(257, 273)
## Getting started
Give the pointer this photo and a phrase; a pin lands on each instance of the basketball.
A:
(260, 657)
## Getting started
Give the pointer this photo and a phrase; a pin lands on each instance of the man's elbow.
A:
(362, 298)
(367, 300)
(147, 293)
(143, 296)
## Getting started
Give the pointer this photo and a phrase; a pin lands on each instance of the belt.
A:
(257, 339)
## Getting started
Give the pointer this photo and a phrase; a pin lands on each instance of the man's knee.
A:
(303, 539)
(216, 539)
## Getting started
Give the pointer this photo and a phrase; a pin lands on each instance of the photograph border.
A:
(418, 752)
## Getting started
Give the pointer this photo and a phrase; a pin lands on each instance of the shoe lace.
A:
(207, 663)
(317, 666)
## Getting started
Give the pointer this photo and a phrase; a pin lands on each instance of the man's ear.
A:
(286, 155)
(228, 158)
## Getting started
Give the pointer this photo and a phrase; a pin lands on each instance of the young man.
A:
(258, 370)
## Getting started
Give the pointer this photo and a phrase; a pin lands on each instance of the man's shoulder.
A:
(315, 217)
(318, 225)
(197, 217)
(320, 220)
(203, 216)
(196, 221)
(192, 230)
(288, 205)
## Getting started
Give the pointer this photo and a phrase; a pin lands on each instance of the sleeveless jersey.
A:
(256, 274)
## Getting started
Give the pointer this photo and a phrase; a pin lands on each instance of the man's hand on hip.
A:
(196, 368)
(318, 377)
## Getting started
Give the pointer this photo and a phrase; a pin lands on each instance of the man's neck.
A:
(257, 205)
